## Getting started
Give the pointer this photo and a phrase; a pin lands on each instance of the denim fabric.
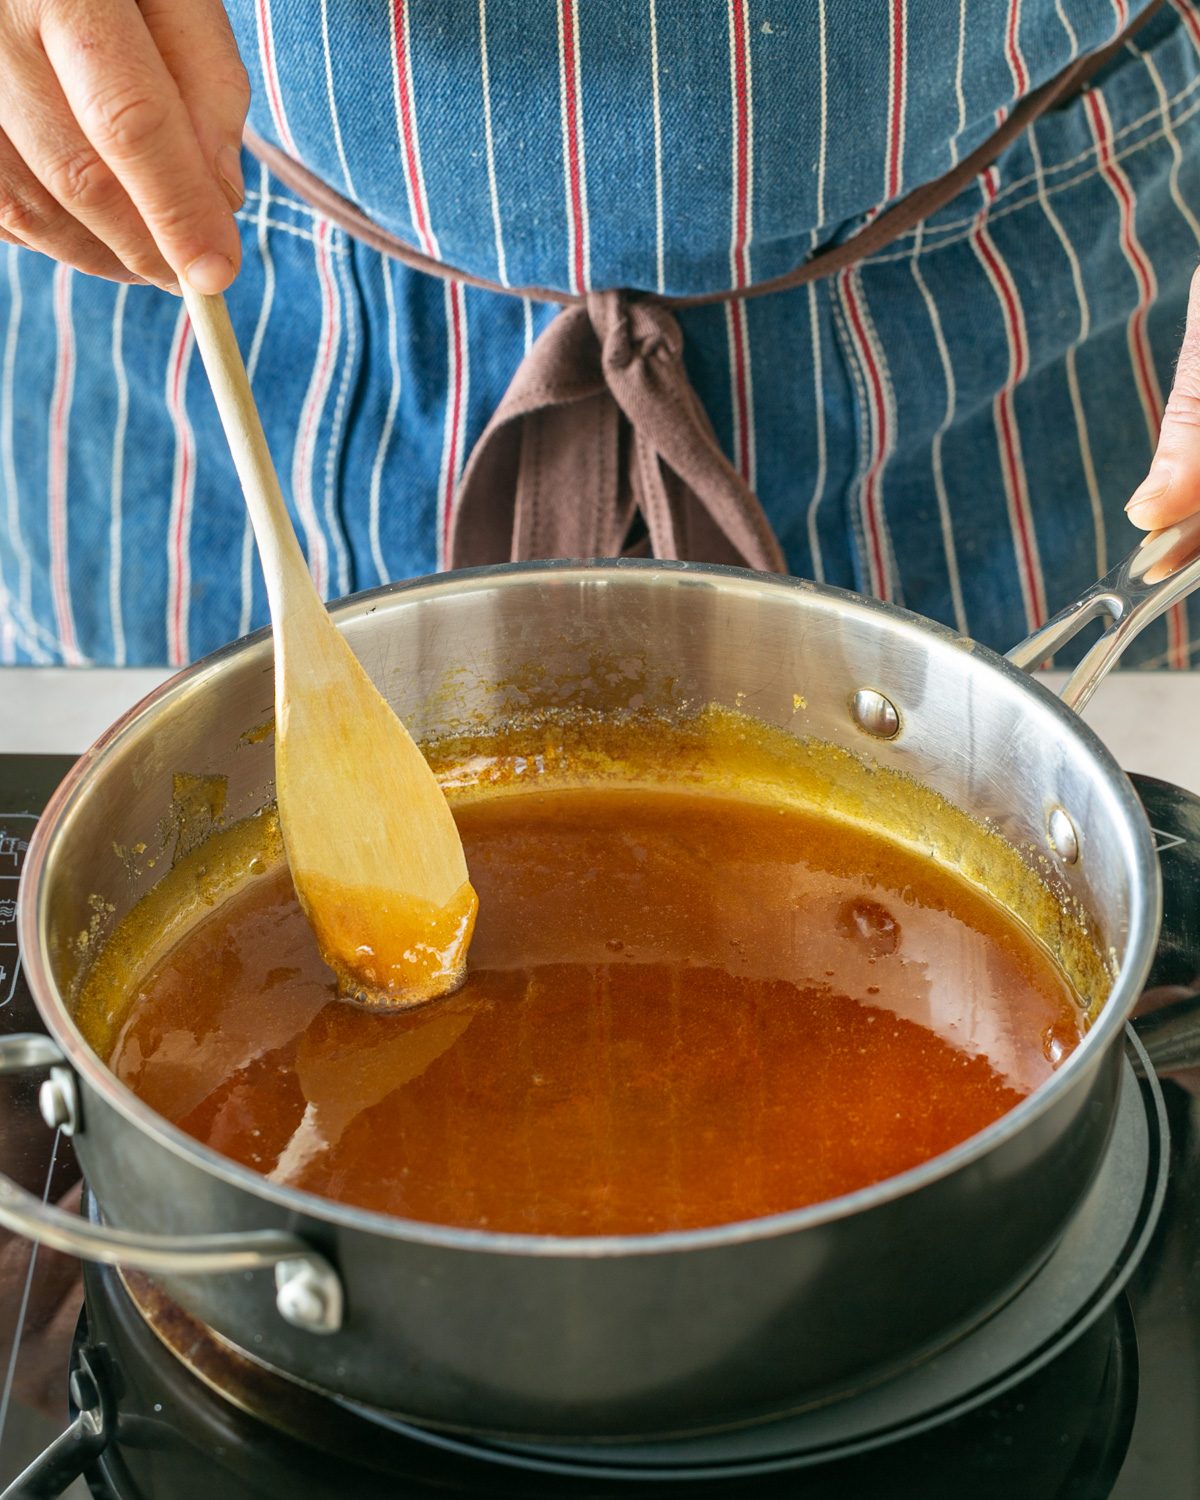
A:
(954, 424)
(834, 90)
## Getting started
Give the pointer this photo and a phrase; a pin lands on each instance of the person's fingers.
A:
(54, 150)
(1171, 490)
(58, 194)
(30, 217)
(129, 108)
(196, 42)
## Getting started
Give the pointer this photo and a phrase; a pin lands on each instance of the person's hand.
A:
(120, 128)
(1170, 492)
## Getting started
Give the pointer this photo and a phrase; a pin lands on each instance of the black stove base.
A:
(178, 1440)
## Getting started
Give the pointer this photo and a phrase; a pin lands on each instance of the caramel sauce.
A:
(681, 1010)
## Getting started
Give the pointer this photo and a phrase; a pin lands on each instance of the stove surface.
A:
(1117, 1417)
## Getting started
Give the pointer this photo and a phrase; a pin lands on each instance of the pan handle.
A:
(308, 1291)
(1160, 571)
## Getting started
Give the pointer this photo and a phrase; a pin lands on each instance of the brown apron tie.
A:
(600, 421)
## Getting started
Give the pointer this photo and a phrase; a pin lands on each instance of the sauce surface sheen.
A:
(681, 1010)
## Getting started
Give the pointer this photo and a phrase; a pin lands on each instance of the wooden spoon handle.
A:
(283, 562)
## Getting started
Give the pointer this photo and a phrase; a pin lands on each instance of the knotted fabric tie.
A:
(600, 423)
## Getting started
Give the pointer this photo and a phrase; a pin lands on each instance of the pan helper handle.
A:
(1160, 571)
(308, 1291)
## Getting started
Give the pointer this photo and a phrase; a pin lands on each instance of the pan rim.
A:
(1142, 932)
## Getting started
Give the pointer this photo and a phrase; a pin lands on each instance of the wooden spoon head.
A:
(375, 855)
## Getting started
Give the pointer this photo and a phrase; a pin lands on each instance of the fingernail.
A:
(229, 170)
(210, 273)
(1153, 487)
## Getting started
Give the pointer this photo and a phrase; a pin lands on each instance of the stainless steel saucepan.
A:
(631, 1334)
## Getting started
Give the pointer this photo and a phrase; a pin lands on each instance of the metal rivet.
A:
(308, 1295)
(59, 1102)
(875, 714)
(300, 1303)
(1063, 838)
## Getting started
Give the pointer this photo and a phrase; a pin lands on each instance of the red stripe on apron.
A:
(266, 43)
(573, 125)
(60, 407)
(872, 493)
(896, 102)
(179, 583)
(408, 130)
(452, 452)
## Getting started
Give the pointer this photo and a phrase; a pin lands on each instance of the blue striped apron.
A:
(954, 423)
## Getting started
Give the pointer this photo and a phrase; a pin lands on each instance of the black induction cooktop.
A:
(1090, 1389)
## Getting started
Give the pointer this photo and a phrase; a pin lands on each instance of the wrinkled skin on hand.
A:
(120, 136)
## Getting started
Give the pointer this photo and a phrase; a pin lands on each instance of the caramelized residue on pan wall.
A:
(684, 1008)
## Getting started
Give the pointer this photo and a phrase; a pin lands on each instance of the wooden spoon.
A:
(375, 856)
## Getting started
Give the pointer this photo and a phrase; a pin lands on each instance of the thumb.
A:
(1170, 492)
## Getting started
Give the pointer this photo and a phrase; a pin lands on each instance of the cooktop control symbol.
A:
(15, 829)
(1164, 840)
